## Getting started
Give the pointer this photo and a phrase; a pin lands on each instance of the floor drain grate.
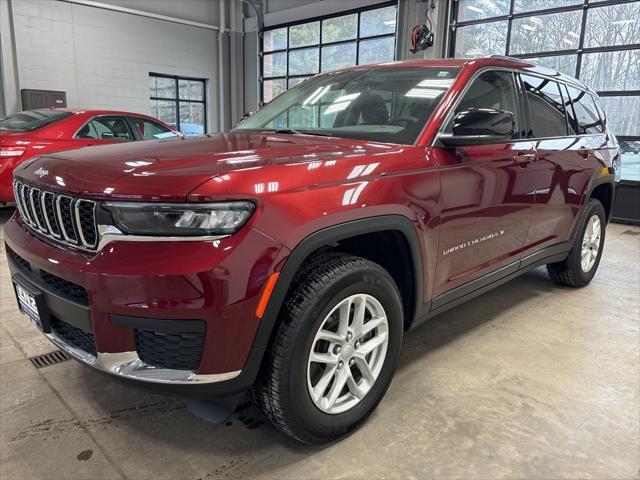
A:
(47, 359)
(631, 232)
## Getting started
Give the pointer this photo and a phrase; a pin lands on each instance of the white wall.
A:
(103, 58)
(203, 11)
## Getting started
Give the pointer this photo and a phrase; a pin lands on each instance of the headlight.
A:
(180, 219)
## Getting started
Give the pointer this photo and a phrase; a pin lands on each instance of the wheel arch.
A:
(603, 191)
(601, 188)
(327, 237)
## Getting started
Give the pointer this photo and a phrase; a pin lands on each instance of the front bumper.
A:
(130, 366)
(155, 287)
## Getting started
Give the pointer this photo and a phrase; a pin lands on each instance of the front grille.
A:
(66, 288)
(74, 336)
(59, 217)
(180, 351)
(21, 262)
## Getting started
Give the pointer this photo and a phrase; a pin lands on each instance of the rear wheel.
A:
(335, 349)
(583, 259)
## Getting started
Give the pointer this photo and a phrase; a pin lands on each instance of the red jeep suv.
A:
(288, 256)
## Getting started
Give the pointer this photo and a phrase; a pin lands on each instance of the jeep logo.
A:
(41, 172)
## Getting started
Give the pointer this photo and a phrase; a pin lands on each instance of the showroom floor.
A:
(529, 381)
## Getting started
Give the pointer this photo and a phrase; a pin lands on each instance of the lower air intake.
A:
(180, 351)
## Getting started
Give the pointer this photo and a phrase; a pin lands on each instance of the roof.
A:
(97, 111)
(477, 63)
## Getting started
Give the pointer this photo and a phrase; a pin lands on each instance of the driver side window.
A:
(495, 90)
(106, 128)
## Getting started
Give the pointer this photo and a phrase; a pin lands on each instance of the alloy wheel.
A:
(347, 353)
(590, 243)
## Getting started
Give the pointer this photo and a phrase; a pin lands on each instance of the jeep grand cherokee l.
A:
(288, 256)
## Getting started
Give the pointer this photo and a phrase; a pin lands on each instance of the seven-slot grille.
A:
(59, 217)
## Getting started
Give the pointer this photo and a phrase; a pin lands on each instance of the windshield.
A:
(31, 119)
(389, 105)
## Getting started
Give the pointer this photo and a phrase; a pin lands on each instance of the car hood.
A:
(168, 170)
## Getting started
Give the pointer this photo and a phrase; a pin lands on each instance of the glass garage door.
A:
(296, 51)
(597, 41)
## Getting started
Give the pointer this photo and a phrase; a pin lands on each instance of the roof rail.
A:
(506, 57)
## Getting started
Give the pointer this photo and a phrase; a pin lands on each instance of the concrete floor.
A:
(528, 381)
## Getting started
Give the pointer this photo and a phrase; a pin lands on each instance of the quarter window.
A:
(495, 90)
(589, 121)
(546, 107)
(150, 130)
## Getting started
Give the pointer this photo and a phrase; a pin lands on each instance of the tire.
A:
(283, 390)
(570, 272)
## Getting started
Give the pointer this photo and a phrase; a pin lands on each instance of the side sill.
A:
(474, 288)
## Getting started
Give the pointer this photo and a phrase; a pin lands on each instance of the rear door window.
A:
(587, 116)
(106, 128)
(495, 90)
(546, 107)
(571, 116)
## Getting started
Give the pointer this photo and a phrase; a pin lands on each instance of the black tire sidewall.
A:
(313, 420)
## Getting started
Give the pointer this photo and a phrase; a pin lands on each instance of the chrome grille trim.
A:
(50, 222)
(23, 197)
(54, 231)
(17, 195)
(35, 197)
(81, 230)
(70, 237)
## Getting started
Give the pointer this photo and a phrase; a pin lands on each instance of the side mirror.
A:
(479, 126)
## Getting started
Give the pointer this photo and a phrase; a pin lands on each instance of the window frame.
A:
(523, 104)
(178, 100)
(522, 114)
(357, 40)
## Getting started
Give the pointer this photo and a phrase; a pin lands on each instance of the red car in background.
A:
(33, 132)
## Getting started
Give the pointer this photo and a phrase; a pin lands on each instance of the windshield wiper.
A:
(291, 131)
(288, 131)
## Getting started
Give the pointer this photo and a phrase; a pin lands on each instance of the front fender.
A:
(327, 236)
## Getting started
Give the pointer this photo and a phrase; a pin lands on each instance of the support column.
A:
(9, 78)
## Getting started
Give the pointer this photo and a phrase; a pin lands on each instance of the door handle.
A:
(524, 159)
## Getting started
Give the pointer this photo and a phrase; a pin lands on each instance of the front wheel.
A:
(583, 259)
(335, 349)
